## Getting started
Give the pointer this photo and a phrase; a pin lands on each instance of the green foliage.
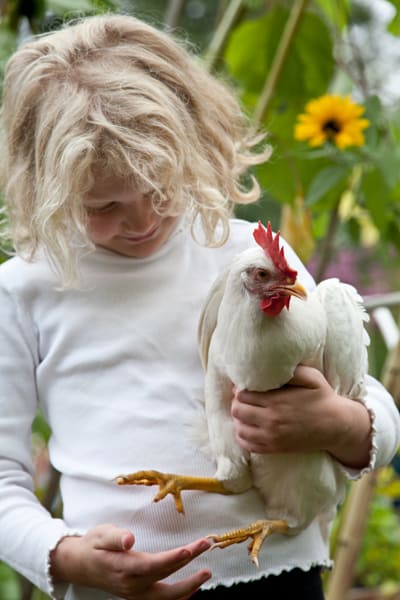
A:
(8, 43)
(336, 13)
(251, 51)
(394, 25)
(40, 427)
(321, 177)
(69, 7)
(32, 10)
(378, 562)
(9, 583)
(379, 559)
(249, 56)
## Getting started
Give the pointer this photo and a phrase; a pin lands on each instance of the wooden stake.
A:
(355, 511)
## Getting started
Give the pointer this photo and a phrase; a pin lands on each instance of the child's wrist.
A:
(353, 447)
(62, 559)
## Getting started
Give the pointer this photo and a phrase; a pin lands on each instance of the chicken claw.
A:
(258, 531)
(170, 483)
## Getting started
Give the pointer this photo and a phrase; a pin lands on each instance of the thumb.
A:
(305, 376)
(127, 540)
(113, 538)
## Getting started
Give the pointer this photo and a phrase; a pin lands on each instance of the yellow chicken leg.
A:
(258, 531)
(170, 483)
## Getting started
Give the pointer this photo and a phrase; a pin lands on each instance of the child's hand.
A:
(104, 559)
(306, 415)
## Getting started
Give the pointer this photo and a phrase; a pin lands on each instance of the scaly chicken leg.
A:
(170, 483)
(258, 531)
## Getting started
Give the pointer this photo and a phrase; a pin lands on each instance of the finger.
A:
(251, 439)
(245, 413)
(305, 376)
(256, 448)
(127, 540)
(249, 433)
(170, 559)
(109, 537)
(245, 398)
(185, 588)
(161, 565)
(198, 547)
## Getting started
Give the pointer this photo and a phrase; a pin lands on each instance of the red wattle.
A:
(273, 305)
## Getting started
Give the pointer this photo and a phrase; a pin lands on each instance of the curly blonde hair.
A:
(115, 95)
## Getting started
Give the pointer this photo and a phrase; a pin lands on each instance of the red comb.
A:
(270, 245)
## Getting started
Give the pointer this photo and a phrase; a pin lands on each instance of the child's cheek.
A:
(101, 228)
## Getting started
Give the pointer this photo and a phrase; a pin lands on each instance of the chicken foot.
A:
(169, 483)
(258, 531)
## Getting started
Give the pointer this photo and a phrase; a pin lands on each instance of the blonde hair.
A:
(113, 94)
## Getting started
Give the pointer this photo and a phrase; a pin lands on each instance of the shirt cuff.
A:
(385, 428)
(354, 474)
(57, 591)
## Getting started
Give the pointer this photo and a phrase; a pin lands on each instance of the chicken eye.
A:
(261, 274)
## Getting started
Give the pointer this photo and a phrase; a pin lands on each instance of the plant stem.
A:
(221, 33)
(288, 35)
(173, 13)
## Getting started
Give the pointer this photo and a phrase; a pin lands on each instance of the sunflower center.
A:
(331, 127)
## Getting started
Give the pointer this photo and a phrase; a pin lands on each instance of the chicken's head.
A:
(274, 282)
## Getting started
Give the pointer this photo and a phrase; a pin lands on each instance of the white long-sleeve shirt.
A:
(115, 368)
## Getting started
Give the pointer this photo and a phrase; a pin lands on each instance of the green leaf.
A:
(8, 43)
(324, 181)
(394, 25)
(373, 108)
(286, 176)
(309, 64)
(41, 427)
(336, 12)
(376, 195)
(10, 587)
(387, 161)
(78, 7)
(383, 531)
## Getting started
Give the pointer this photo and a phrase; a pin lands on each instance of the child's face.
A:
(123, 220)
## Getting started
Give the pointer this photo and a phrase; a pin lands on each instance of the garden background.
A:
(335, 199)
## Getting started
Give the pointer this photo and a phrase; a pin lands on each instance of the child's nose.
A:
(139, 215)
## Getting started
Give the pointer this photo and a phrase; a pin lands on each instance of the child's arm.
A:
(308, 415)
(104, 559)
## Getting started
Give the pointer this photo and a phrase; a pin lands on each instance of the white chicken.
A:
(258, 324)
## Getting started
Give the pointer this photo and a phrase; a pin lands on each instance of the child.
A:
(120, 155)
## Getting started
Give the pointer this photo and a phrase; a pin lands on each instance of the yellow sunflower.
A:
(332, 118)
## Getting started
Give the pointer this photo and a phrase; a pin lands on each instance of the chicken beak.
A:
(294, 289)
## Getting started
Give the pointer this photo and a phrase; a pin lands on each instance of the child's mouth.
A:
(137, 238)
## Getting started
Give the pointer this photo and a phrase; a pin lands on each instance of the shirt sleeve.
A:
(386, 416)
(385, 428)
(28, 532)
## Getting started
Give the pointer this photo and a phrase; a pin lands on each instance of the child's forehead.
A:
(104, 183)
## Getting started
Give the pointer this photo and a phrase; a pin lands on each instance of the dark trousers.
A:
(298, 584)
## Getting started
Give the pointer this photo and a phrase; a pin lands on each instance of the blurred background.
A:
(322, 78)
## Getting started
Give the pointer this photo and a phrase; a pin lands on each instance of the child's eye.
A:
(95, 210)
